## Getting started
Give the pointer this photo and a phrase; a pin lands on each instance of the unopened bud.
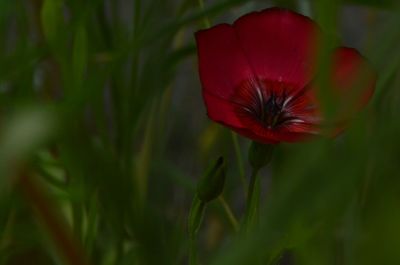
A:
(212, 184)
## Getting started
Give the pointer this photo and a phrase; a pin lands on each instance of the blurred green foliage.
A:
(100, 108)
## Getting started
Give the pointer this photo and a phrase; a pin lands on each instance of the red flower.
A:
(257, 76)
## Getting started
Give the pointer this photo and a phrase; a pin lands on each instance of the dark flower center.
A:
(271, 110)
(267, 103)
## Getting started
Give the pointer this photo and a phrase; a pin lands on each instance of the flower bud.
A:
(260, 155)
(212, 184)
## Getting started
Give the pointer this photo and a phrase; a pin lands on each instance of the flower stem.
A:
(195, 218)
(193, 252)
(229, 213)
(239, 161)
(259, 156)
(253, 194)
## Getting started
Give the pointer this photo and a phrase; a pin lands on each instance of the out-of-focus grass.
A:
(100, 105)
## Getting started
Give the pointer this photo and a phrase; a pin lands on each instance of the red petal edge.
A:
(353, 77)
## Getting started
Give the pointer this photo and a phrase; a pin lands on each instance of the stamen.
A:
(264, 103)
(287, 100)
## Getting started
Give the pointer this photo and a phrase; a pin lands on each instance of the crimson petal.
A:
(353, 82)
(222, 64)
(281, 45)
(221, 111)
(353, 78)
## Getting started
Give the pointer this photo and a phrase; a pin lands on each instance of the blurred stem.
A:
(367, 182)
(6, 230)
(64, 243)
(136, 19)
(77, 219)
(195, 218)
(92, 213)
(193, 260)
(135, 59)
(229, 213)
(206, 21)
(143, 160)
(105, 29)
(119, 251)
(253, 194)
(239, 161)
(53, 79)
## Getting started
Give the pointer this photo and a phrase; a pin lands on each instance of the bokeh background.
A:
(103, 136)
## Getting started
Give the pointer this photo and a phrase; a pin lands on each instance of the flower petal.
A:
(281, 45)
(352, 81)
(266, 138)
(294, 133)
(222, 63)
(221, 111)
(353, 78)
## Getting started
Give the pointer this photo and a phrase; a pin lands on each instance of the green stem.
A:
(251, 214)
(239, 161)
(195, 218)
(77, 220)
(259, 156)
(193, 260)
(229, 213)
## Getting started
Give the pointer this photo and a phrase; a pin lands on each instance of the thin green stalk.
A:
(77, 220)
(143, 160)
(136, 19)
(195, 218)
(239, 161)
(251, 214)
(193, 260)
(229, 213)
(259, 156)
(119, 251)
